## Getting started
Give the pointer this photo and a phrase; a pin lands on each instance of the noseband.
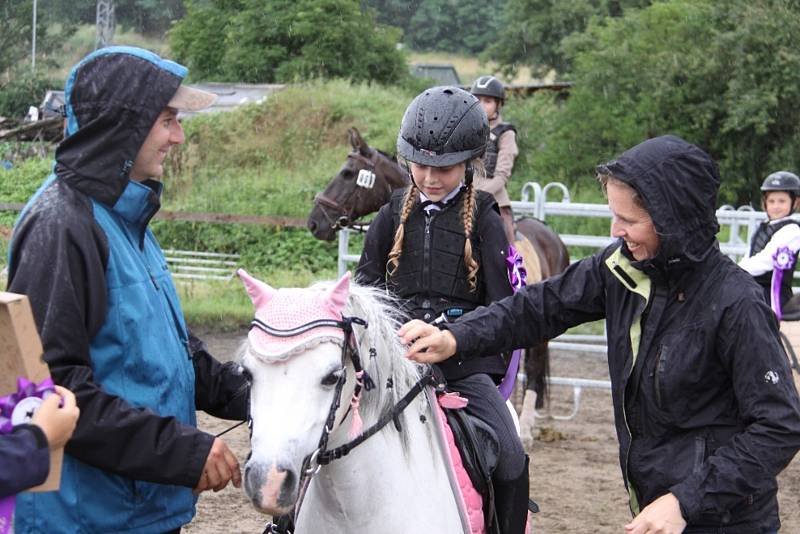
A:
(365, 181)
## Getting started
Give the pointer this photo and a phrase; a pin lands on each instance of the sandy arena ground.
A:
(575, 475)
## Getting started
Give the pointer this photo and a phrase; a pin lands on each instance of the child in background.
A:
(779, 233)
(501, 151)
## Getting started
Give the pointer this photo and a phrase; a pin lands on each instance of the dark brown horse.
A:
(365, 183)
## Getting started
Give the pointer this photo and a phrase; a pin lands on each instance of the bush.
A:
(24, 89)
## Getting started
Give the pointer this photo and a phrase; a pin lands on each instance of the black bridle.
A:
(322, 455)
(343, 214)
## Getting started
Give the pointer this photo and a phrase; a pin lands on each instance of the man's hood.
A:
(678, 183)
(113, 97)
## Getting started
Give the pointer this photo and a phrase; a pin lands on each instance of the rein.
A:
(322, 455)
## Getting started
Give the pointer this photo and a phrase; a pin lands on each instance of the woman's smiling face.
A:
(630, 221)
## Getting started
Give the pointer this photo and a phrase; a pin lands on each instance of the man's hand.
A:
(426, 343)
(662, 516)
(57, 423)
(221, 467)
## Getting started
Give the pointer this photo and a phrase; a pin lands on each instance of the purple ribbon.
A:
(25, 389)
(782, 260)
(518, 278)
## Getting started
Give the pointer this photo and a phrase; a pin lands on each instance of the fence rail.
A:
(189, 264)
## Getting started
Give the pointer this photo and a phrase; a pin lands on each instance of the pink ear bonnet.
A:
(283, 315)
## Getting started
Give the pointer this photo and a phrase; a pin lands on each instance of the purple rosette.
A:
(782, 260)
(518, 278)
(25, 389)
(8, 403)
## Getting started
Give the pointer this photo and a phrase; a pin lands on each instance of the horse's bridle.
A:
(364, 181)
(322, 455)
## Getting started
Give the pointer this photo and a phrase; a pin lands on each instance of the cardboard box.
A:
(21, 355)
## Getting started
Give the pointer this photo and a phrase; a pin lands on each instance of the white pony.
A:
(393, 482)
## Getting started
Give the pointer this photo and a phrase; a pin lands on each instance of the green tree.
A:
(286, 40)
(396, 13)
(16, 37)
(149, 17)
(454, 26)
(533, 31)
(723, 74)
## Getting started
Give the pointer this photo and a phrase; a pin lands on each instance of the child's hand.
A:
(427, 343)
(56, 422)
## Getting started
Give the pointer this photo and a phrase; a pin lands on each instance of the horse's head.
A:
(362, 186)
(300, 373)
(295, 371)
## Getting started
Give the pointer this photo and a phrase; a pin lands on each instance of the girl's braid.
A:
(468, 218)
(412, 194)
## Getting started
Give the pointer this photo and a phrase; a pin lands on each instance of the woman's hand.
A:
(426, 343)
(662, 516)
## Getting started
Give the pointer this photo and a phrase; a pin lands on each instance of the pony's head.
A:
(363, 184)
(299, 368)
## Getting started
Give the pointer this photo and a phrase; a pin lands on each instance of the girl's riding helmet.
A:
(443, 126)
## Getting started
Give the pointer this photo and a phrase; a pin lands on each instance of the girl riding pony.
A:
(440, 245)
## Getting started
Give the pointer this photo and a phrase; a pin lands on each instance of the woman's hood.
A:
(678, 183)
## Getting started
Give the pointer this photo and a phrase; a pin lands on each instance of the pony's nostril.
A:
(312, 225)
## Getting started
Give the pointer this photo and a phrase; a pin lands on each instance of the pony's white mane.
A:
(383, 315)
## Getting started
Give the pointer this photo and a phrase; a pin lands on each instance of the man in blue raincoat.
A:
(108, 314)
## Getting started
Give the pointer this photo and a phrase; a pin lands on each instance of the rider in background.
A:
(705, 408)
(439, 244)
(780, 231)
(501, 151)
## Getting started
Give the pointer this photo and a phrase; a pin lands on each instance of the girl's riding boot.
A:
(511, 502)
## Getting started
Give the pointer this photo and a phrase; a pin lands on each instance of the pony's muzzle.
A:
(271, 488)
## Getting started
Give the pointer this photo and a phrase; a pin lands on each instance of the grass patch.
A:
(469, 67)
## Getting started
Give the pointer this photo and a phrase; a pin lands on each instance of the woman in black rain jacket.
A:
(705, 408)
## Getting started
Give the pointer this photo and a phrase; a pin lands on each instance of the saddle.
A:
(530, 258)
(479, 448)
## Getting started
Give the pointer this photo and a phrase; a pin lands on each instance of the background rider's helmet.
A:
(489, 86)
(443, 126)
(782, 181)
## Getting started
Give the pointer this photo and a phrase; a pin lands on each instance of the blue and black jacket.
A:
(109, 317)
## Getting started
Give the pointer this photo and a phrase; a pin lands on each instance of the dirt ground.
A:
(575, 475)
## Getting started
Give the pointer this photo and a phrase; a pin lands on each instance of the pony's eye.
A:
(347, 174)
(332, 378)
